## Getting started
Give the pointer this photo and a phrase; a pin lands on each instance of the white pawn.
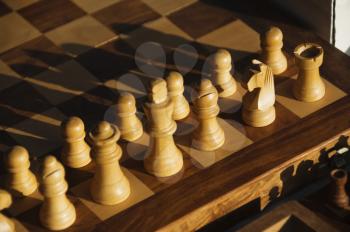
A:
(75, 151)
(57, 212)
(21, 181)
(109, 185)
(209, 135)
(6, 224)
(128, 123)
(175, 84)
(221, 73)
(271, 50)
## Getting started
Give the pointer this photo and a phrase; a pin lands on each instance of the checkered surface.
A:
(61, 58)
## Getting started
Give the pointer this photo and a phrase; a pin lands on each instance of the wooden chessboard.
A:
(61, 58)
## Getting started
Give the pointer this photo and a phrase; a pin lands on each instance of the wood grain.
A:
(237, 179)
(46, 15)
(254, 172)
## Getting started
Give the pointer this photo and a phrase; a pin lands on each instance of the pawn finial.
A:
(175, 84)
(128, 123)
(221, 73)
(75, 152)
(271, 46)
(73, 127)
(103, 130)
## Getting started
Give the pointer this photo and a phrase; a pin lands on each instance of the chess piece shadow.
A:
(268, 10)
(291, 181)
(27, 70)
(172, 44)
(7, 80)
(288, 92)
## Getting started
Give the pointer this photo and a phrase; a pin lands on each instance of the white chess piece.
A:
(258, 103)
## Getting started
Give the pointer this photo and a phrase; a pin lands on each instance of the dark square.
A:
(126, 15)
(4, 9)
(20, 102)
(47, 15)
(191, 60)
(91, 106)
(108, 61)
(200, 18)
(34, 56)
(284, 118)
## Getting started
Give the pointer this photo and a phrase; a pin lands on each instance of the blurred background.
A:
(328, 18)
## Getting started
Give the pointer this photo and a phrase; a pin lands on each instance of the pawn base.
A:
(60, 221)
(279, 67)
(77, 160)
(209, 142)
(227, 89)
(25, 188)
(132, 135)
(112, 194)
(181, 112)
(278, 63)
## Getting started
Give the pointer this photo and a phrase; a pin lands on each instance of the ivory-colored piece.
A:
(271, 50)
(175, 84)
(20, 180)
(109, 185)
(309, 86)
(221, 73)
(75, 151)
(258, 103)
(163, 157)
(6, 224)
(128, 123)
(56, 212)
(209, 135)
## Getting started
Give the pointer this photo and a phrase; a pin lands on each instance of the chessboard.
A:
(63, 58)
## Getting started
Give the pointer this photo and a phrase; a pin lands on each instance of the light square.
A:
(81, 35)
(19, 226)
(15, 30)
(166, 7)
(128, 83)
(235, 139)
(155, 32)
(139, 192)
(91, 6)
(237, 36)
(8, 77)
(284, 95)
(40, 134)
(63, 82)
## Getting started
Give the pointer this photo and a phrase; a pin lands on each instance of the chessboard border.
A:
(229, 183)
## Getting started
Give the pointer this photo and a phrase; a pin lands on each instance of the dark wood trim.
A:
(215, 191)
